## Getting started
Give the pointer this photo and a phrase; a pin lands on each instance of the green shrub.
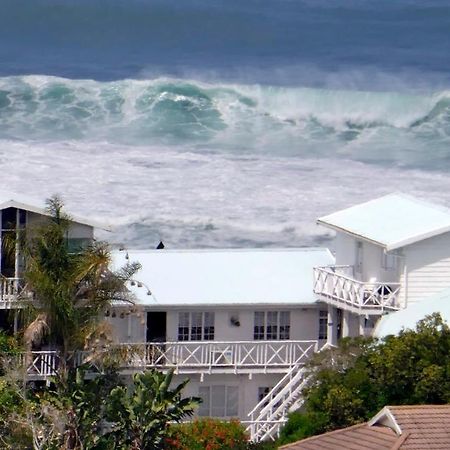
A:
(302, 425)
(207, 434)
(8, 344)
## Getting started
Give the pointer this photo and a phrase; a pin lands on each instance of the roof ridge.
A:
(220, 250)
(428, 405)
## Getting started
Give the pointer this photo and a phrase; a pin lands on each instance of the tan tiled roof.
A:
(423, 427)
(428, 426)
(358, 437)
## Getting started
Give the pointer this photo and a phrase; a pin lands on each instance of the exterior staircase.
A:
(268, 416)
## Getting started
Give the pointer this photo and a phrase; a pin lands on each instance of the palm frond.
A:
(36, 330)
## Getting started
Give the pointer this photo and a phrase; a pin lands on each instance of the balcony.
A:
(204, 357)
(335, 286)
(10, 288)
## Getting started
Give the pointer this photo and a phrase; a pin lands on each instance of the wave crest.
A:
(172, 111)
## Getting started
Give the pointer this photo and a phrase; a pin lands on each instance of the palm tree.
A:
(141, 416)
(70, 291)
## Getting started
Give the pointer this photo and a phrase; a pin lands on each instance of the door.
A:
(156, 326)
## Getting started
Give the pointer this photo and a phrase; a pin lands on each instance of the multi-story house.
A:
(17, 216)
(241, 324)
(391, 253)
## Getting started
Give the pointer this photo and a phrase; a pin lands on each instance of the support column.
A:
(332, 326)
(346, 317)
(362, 322)
(16, 322)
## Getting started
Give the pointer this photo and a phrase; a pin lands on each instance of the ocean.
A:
(207, 123)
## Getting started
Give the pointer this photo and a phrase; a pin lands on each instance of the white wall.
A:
(129, 329)
(427, 268)
(80, 231)
(76, 230)
(372, 259)
(304, 322)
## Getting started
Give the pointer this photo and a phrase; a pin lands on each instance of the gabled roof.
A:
(357, 437)
(225, 277)
(411, 427)
(11, 200)
(392, 221)
(407, 318)
(423, 426)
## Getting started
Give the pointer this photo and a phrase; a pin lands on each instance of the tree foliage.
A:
(141, 415)
(353, 382)
(70, 290)
(207, 434)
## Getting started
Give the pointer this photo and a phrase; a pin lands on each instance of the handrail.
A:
(372, 297)
(211, 354)
(328, 270)
(198, 355)
(10, 288)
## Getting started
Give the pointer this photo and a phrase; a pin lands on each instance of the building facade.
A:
(241, 324)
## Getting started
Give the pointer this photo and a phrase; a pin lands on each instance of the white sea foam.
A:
(189, 199)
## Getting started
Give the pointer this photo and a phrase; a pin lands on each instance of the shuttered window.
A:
(219, 401)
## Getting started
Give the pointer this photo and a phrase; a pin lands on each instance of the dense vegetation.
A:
(353, 382)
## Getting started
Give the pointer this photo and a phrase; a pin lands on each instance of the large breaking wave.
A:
(246, 117)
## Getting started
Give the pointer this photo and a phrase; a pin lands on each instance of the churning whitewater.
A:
(212, 125)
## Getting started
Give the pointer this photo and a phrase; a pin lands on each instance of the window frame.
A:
(272, 325)
(229, 391)
(389, 261)
(196, 326)
(323, 325)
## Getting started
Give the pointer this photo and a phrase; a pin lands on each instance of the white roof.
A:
(392, 221)
(11, 200)
(407, 318)
(225, 277)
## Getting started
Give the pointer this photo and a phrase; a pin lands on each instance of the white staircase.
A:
(268, 416)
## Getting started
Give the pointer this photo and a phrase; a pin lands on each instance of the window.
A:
(323, 325)
(272, 325)
(195, 326)
(208, 326)
(285, 325)
(259, 328)
(359, 257)
(263, 391)
(183, 326)
(219, 401)
(76, 245)
(389, 261)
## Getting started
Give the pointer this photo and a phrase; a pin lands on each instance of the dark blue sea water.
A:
(223, 123)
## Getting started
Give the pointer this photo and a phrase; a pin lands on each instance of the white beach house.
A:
(242, 323)
(17, 215)
(391, 253)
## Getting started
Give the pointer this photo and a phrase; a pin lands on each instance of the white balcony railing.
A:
(335, 286)
(210, 355)
(10, 289)
(190, 357)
